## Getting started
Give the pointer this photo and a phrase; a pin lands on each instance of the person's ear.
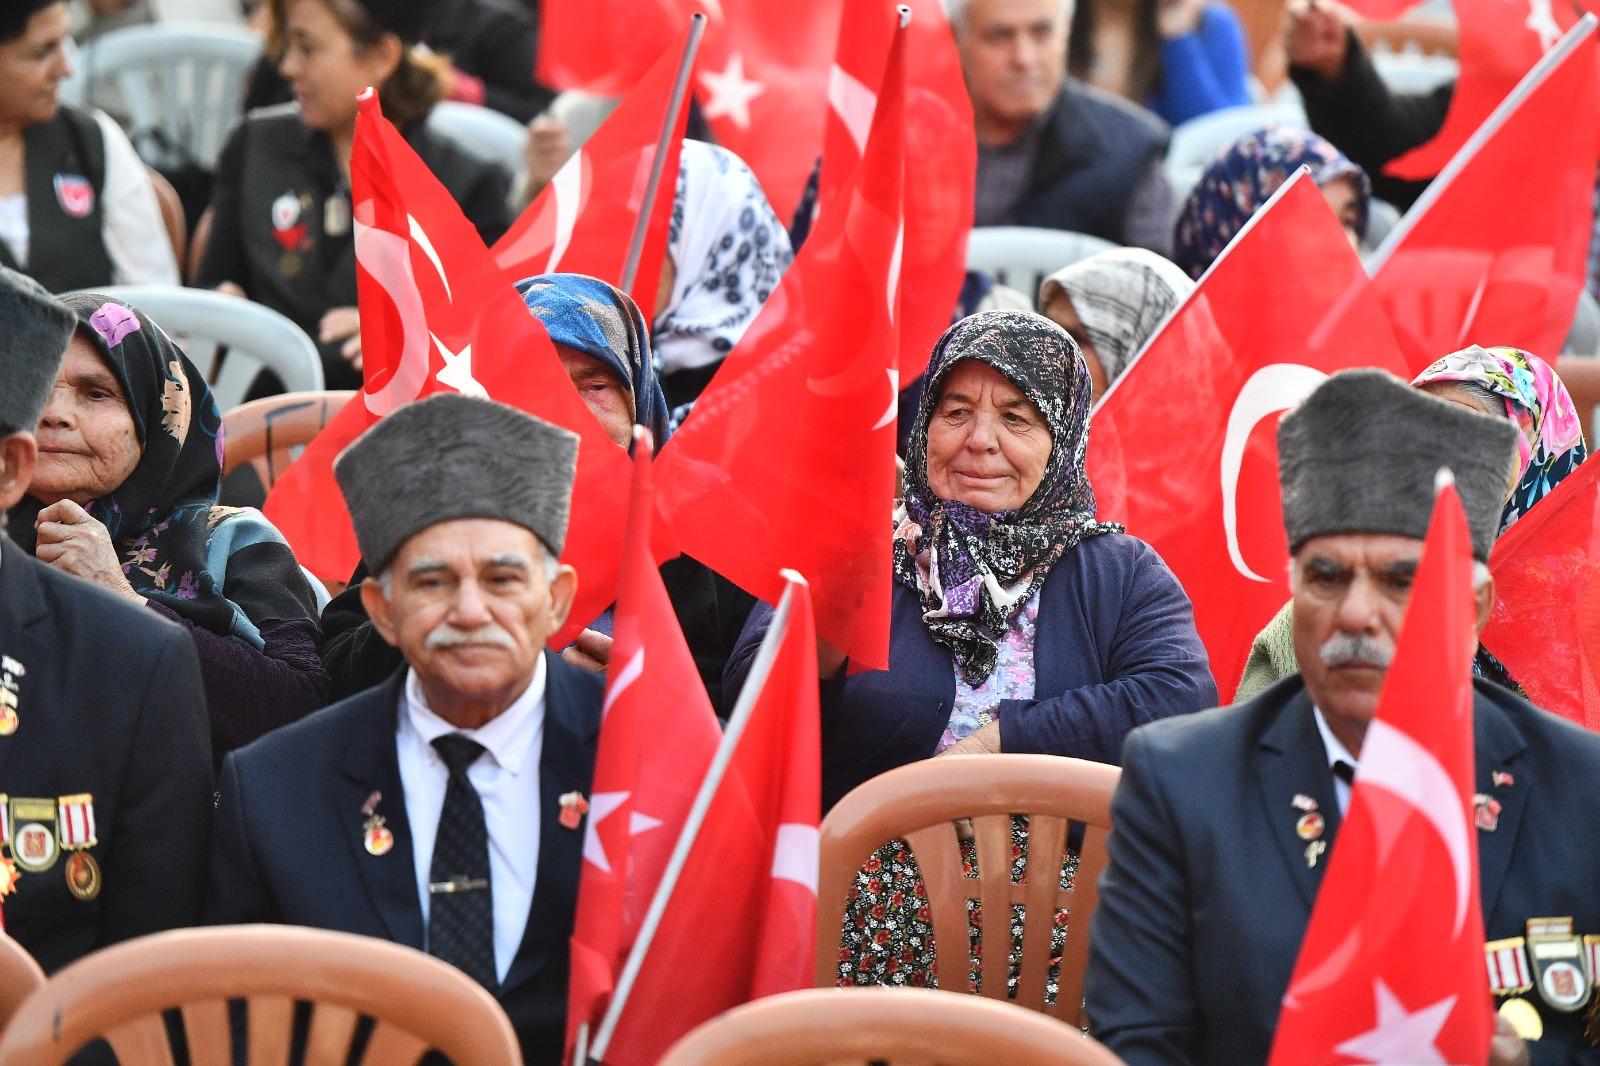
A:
(19, 454)
(1483, 599)
(377, 605)
(388, 53)
(562, 592)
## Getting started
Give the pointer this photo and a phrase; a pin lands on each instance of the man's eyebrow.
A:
(510, 559)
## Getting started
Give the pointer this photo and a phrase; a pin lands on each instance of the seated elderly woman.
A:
(125, 496)
(1506, 383)
(1246, 174)
(1111, 304)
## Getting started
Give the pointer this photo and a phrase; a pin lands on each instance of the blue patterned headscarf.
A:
(592, 317)
(1244, 177)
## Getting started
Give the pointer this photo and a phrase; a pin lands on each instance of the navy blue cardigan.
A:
(1115, 648)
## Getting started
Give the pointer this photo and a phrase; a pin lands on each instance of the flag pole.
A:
(766, 655)
(669, 127)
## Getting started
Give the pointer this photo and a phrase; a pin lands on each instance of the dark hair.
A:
(416, 84)
(16, 14)
(1145, 76)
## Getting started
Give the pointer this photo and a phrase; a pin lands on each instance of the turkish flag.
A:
(1184, 448)
(1546, 622)
(583, 221)
(1498, 42)
(657, 738)
(438, 315)
(939, 189)
(787, 459)
(1495, 251)
(605, 46)
(741, 920)
(1398, 975)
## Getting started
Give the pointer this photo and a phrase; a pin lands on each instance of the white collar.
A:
(508, 736)
(1332, 745)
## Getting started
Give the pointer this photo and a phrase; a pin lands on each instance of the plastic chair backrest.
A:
(19, 977)
(1197, 142)
(203, 322)
(482, 131)
(119, 993)
(1584, 336)
(270, 432)
(888, 1025)
(920, 803)
(181, 82)
(1023, 256)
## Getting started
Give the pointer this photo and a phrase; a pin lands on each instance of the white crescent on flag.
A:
(566, 189)
(386, 257)
(854, 103)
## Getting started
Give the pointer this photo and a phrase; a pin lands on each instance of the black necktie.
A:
(1344, 772)
(460, 900)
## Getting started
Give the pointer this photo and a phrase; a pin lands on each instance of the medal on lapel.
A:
(336, 215)
(76, 832)
(33, 834)
(10, 670)
(8, 869)
(1485, 812)
(375, 836)
(1560, 964)
(573, 808)
(287, 225)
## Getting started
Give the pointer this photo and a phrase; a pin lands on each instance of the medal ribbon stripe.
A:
(1591, 947)
(5, 819)
(77, 822)
(1507, 962)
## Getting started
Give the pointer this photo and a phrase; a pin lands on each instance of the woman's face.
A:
(1344, 196)
(1061, 311)
(87, 442)
(32, 68)
(988, 445)
(325, 67)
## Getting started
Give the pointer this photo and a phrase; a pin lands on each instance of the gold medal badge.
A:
(1560, 964)
(33, 833)
(1524, 1018)
(375, 835)
(10, 704)
(76, 831)
(83, 876)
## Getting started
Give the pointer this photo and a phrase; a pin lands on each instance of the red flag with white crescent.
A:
(1399, 975)
(1183, 449)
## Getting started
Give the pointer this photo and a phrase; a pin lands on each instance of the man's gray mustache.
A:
(448, 636)
(1344, 649)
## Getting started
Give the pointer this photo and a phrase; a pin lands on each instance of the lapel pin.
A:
(1310, 826)
(1485, 812)
(573, 808)
(1303, 802)
(1314, 852)
(1502, 779)
(10, 670)
(375, 835)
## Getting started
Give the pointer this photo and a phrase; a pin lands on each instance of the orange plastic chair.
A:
(921, 803)
(417, 1002)
(267, 433)
(19, 976)
(890, 1025)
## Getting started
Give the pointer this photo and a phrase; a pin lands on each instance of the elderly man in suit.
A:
(442, 809)
(105, 781)
(1211, 882)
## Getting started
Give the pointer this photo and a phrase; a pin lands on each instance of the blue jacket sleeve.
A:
(1203, 71)
(1156, 665)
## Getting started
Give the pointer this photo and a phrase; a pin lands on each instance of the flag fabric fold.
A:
(1399, 975)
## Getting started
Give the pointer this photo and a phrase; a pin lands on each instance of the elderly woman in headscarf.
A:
(726, 252)
(1111, 303)
(125, 496)
(1502, 382)
(1246, 174)
(599, 334)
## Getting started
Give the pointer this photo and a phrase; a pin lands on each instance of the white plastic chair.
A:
(1196, 143)
(1584, 337)
(182, 84)
(203, 322)
(1023, 256)
(1414, 72)
(482, 131)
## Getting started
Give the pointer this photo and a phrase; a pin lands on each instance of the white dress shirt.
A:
(1337, 753)
(506, 777)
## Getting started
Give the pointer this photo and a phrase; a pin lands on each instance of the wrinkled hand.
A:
(985, 741)
(591, 651)
(1507, 1049)
(343, 324)
(71, 540)
(1316, 37)
(548, 147)
(1179, 17)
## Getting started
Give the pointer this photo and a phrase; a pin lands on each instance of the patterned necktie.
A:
(460, 900)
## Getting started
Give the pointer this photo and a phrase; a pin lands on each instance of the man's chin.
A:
(1349, 692)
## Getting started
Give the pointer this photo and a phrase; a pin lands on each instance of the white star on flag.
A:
(1400, 1036)
(457, 371)
(731, 92)
(600, 807)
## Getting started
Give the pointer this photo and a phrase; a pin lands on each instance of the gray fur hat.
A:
(1360, 455)
(36, 327)
(452, 456)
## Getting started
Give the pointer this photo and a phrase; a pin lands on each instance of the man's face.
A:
(471, 609)
(1350, 594)
(1014, 55)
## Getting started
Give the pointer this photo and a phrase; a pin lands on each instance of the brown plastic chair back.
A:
(416, 1001)
(920, 803)
(171, 217)
(267, 433)
(19, 976)
(890, 1025)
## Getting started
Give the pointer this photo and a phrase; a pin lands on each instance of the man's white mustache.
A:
(1344, 649)
(446, 635)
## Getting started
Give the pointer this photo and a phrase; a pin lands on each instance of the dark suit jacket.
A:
(1115, 647)
(289, 838)
(1208, 892)
(110, 704)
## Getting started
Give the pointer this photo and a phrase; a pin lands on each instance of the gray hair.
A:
(955, 12)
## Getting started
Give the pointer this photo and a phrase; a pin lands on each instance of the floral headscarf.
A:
(1121, 296)
(177, 547)
(1550, 445)
(974, 570)
(590, 316)
(1243, 178)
